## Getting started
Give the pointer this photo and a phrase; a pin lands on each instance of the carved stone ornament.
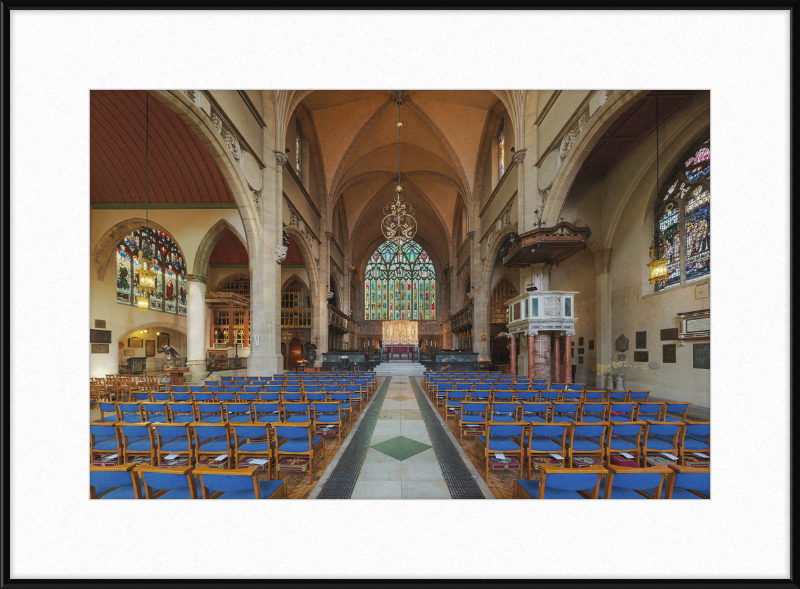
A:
(329, 294)
(232, 143)
(519, 157)
(256, 199)
(279, 251)
(622, 343)
(217, 122)
(281, 159)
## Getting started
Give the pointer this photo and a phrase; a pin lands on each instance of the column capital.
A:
(519, 156)
(196, 278)
(281, 159)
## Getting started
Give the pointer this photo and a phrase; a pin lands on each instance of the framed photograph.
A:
(163, 340)
(135, 342)
(150, 348)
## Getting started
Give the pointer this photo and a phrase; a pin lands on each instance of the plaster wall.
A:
(559, 114)
(240, 115)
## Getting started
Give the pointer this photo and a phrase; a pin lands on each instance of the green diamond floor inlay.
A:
(401, 447)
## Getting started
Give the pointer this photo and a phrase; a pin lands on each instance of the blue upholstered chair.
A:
(228, 395)
(452, 405)
(296, 440)
(550, 396)
(593, 396)
(137, 441)
(558, 386)
(241, 483)
(537, 387)
(273, 388)
(522, 386)
(535, 412)
(296, 411)
(167, 483)
(173, 438)
(248, 396)
(111, 409)
(539, 381)
(238, 413)
(345, 406)
(526, 396)
(586, 440)
(357, 396)
(675, 411)
(686, 482)
(270, 397)
(564, 412)
(634, 483)
(556, 482)
(253, 440)
(503, 437)
(505, 395)
(201, 389)
(649, 411)
(638, 396)
(695, 437)
(327, 413)
(506, 412)
(114, 482)
(181, 412)
(624, 437)
(472, 415)
(180, 397)
(267, 412)
(661, 437)
(211, 440)
(103, 440)
(290, 397)
(544, 439)
(207, 397)
(155, 412)
(160, 396)
(593, 412)
(209, 412)
(502, 386)
(479, 394)
(129, 412)
(620, 411)
(211, 383)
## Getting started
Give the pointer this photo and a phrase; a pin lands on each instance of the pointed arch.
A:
(208, 243)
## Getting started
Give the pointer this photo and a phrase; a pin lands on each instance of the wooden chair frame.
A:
(251, 472)
(637, 453)
(678, 469)
(199, 453)
(487, 450)
(269, 454)
(613, 470)
(339, 422)
(545, 469)
(682, 451)
(600, 451)
(309, 453)
(189, 452)
(460, 415)
(142, 469)
(124, 440)
(99, 453)
(675, 440)
(137, 489)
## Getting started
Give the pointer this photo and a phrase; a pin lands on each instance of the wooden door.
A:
(285, 359)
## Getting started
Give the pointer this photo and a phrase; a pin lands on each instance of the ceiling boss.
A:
(399, 224)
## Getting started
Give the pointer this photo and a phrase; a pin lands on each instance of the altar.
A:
(400, 339)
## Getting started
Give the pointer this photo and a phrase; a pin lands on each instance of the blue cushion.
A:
(239, 417)
(678, 493)
(470, 418)
(299, 418)
(532, 487)
(499, 443)
(124, 492)
(620, 444)
(298, 445)
(267, 489)
(504, 418)
(219, 445)
(563, 418)
(582, 445)
(106, 445)
(269, 418)
(179, 444)
(327, 418)
(657, 444)
(543, 444)
(143, 444)
(212, 419)
(692, 444)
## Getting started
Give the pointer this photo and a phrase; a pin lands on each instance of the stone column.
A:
(557, 358)
(532, 368)
(542, 357)
(513, 354)
(196, 326)
(568, 359)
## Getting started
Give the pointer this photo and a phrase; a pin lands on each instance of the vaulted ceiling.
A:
(180, 167)
(357, 135)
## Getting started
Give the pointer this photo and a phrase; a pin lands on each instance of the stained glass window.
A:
(170, 293)
(501, 143)
(400, 283)
(298, 136)
(683, 217)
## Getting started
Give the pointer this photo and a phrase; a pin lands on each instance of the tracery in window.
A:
(683, 218)
(237, 283)
(170, 293)
(400, 283)
(296, 305)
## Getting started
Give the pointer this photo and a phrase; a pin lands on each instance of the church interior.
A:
(386, 294)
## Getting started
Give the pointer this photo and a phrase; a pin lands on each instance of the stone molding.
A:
(196, 278)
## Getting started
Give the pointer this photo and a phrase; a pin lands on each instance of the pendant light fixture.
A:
(658, 251)
(147, 276)
(399, 224)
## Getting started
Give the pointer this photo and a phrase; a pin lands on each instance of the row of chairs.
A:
(630, 444)
(274, 388)
(233, 411)
(658, 482)
(456, 404)
(542, 395)
(121, 386)
(130, 481)
(282, 446)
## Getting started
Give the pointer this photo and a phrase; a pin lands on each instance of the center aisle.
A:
(401, 460)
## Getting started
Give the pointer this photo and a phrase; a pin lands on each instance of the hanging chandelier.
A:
(658, 251)
(399, 224)
(147, 276)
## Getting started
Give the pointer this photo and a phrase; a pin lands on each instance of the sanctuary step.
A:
(397, 368)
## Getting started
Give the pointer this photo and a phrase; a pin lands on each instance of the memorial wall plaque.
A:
(580, 350)
(580, 359)
(591, 344)
(641, 356)
(622, 344)
(669, 354)
(580, 341)
(99, 348)
(701, 356)
(150, 348)
(100, 323)
(99, 336)
(669, 334)
(641, 339)
(135, 342)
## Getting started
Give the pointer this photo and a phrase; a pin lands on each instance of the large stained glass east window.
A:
(170, 294)
(683, 217)
(400, 283)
